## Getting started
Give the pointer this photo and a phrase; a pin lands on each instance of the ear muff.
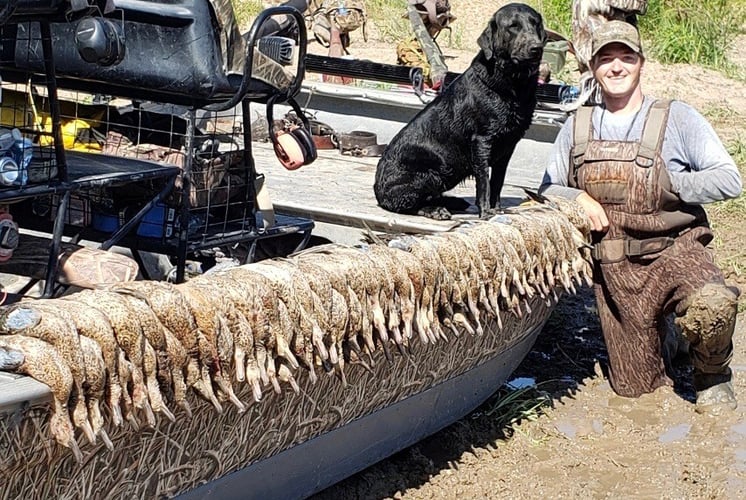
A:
(294, 147)
(99, 41)
(305, 140)
(289, 151)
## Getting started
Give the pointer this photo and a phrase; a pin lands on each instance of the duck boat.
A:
(277, 378)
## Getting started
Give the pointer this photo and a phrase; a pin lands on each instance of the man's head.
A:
(617, 60)
(615, 32)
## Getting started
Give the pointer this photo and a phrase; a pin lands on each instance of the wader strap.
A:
(616, 250)
(582, 135)
(652, 133)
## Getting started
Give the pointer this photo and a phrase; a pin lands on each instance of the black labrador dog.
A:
(472, 127)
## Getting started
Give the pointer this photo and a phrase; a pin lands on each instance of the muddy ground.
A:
(587, 442)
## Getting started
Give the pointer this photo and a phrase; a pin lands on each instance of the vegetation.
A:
(729, 214)
(557, 14)
(245, 10)
(674, 31)
(510, 406)
(691, 31)
(389, 17)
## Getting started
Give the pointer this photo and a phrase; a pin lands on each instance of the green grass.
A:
(675, 31)
(727, 217)
(737, 206)
(557, 14)
(692, 31)
(390, 18)
(246, 10)
(510, 406)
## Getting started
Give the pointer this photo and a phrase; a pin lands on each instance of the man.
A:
(641, 169)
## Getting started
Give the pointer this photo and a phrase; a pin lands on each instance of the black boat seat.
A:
(177, 52)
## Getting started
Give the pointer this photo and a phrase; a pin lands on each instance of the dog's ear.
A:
(485, 40)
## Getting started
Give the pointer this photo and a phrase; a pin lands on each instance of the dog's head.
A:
(514, 34)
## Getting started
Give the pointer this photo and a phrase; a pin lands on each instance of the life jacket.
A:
(630, 180)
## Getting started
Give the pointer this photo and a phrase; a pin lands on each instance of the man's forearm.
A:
(562, 191)
(706, 186)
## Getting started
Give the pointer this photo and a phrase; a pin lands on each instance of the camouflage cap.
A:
(616, 32)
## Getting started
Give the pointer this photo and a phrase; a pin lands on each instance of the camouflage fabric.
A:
(635, 291)
(435, 14)
(633, 297)
(632, 6)
(587, 15)
(231, 41)
(423, 50)
(410, 53)
(344, 15)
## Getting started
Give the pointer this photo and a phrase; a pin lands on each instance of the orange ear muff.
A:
(289, 151)
(305, 139)
(294, 147)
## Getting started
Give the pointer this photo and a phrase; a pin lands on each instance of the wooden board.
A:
(338, 189)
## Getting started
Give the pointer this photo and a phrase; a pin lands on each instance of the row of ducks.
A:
(137, 348)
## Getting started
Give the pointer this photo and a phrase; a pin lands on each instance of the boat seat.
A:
(186, 52)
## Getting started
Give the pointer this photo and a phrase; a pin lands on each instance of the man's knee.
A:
(707, 318)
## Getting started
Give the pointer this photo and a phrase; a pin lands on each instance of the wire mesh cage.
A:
(26, 155)
(150, 149)
(218, 195)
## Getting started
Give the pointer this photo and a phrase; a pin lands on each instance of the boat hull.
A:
(331, 457)
(286, 446)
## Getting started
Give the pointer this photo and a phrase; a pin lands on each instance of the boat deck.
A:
(338, 189)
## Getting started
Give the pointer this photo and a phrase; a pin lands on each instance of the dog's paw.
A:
(437, 213)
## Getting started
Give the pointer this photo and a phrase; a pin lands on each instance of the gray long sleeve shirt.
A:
(700, 168)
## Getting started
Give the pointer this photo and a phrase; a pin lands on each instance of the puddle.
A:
(740, 428)
(569, 430)
(737, 433)
(675, 433)
(740, 456)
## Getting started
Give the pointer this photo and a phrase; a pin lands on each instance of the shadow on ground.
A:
(564, 355)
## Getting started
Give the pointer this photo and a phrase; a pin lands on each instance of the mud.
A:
(588, 443)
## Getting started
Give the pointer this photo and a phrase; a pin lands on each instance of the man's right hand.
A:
(594, 211)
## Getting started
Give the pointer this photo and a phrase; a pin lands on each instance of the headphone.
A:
(99, 41)
(294, 147)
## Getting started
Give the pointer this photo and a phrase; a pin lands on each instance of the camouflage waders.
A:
(651, 262)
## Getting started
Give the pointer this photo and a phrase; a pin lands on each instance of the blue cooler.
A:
(158, 222)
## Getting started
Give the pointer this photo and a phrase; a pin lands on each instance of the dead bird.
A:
(56, 328)
(96, 382)
(159, 372)
(432, 272)
(212, 322)
(44, 363)
(172, 310)
(94, 324)
(130, 338)
(239, 327)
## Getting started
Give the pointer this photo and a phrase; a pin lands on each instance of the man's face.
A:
(617, 69)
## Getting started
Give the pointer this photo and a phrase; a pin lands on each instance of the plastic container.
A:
(8, 171)
(157, 222)
(554, 54)
(16, 153)
(106, 223)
